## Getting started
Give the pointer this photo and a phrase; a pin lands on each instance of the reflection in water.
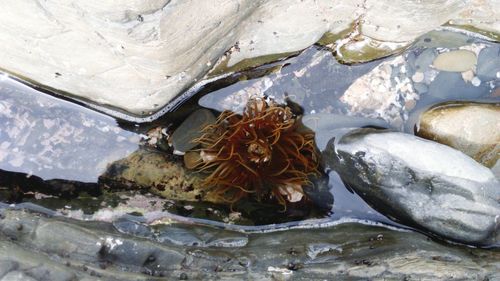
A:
(55, 139)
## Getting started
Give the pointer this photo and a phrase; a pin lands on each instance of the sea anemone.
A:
(265, 152)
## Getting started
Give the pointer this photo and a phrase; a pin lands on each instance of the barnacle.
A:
(265, 152)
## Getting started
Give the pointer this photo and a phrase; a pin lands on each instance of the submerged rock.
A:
(472, 128)
(386, 92)
(456, 61)
(157, 172)
(50, 248)
(53, 139)
(190, 129)
(162, 174)
(440, 66)
(420, 183)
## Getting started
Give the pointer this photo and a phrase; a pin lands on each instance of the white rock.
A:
(429, 158)
(139, 55)
(103, 51)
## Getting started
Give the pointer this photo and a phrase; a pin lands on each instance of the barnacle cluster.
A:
(265, 151)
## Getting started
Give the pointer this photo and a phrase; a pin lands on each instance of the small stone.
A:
(190, 129)
(410, 104)
(488, 63)
(476, 81)
(468, 75)
(455, 61)
(418, 77)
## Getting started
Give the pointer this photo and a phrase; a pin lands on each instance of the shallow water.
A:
(50, 138)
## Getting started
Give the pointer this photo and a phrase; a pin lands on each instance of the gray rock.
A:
(473, 128)
(190, 129)
(347, 251)
(489, 63)
(420, 183)
(381, 94)
(17, 276)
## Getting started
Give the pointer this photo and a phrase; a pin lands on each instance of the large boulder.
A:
(139, 55)
(420, 183)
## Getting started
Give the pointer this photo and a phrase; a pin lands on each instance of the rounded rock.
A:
(473, 128)
(455, 61)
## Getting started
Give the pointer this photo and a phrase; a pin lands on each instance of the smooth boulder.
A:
(420, 183)
(473, 128)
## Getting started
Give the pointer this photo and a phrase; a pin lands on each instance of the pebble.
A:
(455, 61)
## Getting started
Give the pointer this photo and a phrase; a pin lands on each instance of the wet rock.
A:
(164, 175)
(472, 128)
(420, 183)
(151, 51)
(456, 61)
(199, 236)
(190, 129)
(314, 80)
(489, 63)
(496, 169)
(158, 172)
(17, 276)
(346, 251)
